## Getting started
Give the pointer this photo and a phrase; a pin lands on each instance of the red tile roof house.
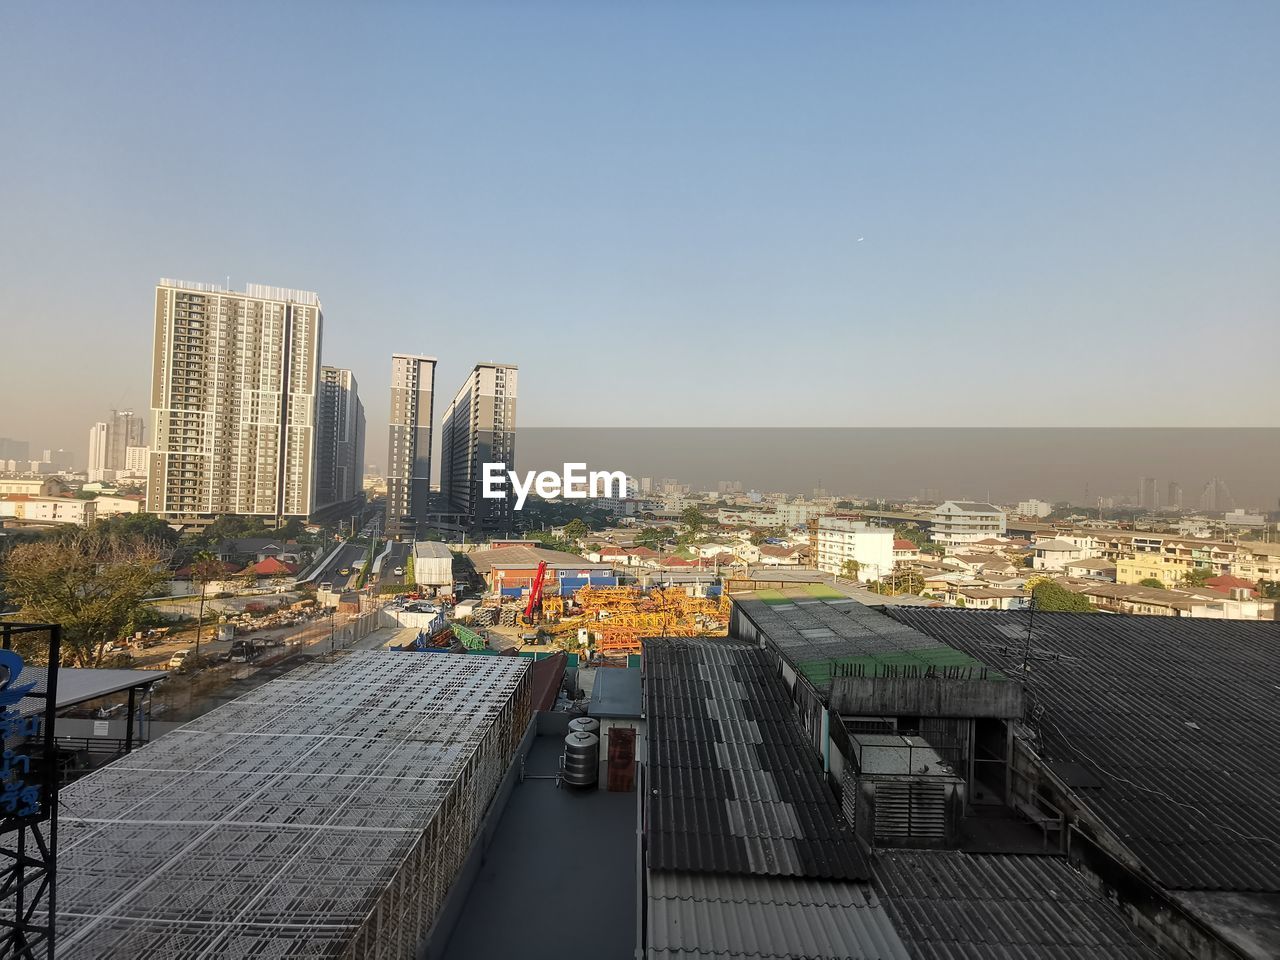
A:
(1228, 583)
(905, 550)
(271, 567)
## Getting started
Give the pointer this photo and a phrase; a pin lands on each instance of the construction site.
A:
(603, 622)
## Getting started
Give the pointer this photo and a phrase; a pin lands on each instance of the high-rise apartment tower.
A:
(479, 427)
(233, 401)
(339, 438)
(409, 443)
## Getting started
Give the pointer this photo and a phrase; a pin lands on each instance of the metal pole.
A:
(133, 705)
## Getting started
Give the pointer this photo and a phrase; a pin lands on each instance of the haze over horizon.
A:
(771, 215)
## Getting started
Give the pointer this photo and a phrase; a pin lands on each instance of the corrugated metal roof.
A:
(704, 916)
(733, 785)
(948, 905)
(1178, 718)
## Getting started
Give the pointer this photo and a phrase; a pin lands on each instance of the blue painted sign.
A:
(19, 796)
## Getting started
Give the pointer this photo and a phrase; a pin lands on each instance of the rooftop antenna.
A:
(1031, 625)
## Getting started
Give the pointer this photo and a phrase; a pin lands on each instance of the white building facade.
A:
(961, 522)
(841, 540)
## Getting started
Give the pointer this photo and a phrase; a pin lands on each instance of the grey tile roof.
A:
(733, 785)
(1177, 718)
(948, 905)
(704, 916)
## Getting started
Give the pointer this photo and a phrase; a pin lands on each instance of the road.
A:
(398, 557)
(350, 557)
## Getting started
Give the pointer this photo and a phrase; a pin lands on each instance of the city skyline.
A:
(768, 208)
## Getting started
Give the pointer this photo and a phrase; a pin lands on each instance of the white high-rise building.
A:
(109, 443)
(98, 445)
(135, 461)
(233, 401)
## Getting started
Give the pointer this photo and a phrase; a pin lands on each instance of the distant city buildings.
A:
(479, 427)
(11, 449)
(1215, 496)
(135, 461)
(409, 443)
(110, 441)
(1148, 494)
(960, 522)
(1173, 497)
(340, 432)
(1034, 508)
(233, 396)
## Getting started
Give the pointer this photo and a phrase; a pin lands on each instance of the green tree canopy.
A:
(914, 534)
(693, 520)
(576, 529)
(1151, 582)
(1050, 596)
(653, 536)
(1198, 576)
(89, 583)
(137, 526)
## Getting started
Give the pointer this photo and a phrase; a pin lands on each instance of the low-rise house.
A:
(980, 564)
(991, 598)
(905, 552)
(1229, 584)
(777, 556)
(1055, 554)
(1091, 568)
(270, 567)
(1128, 598)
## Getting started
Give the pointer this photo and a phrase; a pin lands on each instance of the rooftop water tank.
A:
(584, 725)
(581, 759)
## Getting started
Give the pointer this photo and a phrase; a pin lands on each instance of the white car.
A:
(398, 571)
(178, 659)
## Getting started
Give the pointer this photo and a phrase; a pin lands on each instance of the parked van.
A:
(243, 651)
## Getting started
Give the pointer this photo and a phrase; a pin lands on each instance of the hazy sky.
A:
(1070, 213)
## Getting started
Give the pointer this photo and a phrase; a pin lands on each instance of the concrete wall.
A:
(925, 697)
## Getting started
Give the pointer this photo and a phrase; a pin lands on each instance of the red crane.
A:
(535, 593)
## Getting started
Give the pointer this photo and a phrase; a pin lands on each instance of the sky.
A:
(712, 213)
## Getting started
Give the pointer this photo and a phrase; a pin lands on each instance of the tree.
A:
(914, 534)
(575, 529)
(205, 567)
(90, 584)
(849, 569)
(653, 537)
(1198, 576)
(693, 520)
(1048, 595)
(1151, 582)
(137, 526)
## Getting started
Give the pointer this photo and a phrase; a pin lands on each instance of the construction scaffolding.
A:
(325, 814)
(619, 617)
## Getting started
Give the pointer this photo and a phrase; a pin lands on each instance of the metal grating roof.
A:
(323, 813)
(703, 916)
(948, 905)
(733, 785)
(1177, 718)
